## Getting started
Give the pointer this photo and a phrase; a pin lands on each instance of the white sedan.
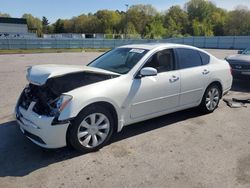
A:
(83, 106)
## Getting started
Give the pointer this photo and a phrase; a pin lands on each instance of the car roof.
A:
(151, 46)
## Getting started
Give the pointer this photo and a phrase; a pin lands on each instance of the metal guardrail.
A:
(224, 42)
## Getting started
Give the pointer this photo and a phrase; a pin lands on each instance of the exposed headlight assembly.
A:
(62, 102)
(58, 106)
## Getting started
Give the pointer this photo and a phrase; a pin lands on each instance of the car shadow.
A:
(241, 85)
(19, 157)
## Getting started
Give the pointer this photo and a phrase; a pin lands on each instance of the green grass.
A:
(32, 51)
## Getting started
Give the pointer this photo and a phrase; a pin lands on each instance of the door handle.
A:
(174, 79)
(205, 72)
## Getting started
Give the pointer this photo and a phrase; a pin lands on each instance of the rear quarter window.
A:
(205, 58)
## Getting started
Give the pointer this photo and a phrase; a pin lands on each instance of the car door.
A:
(194, 75)
(156, 94)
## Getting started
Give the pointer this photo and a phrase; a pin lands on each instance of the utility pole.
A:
(126, 27)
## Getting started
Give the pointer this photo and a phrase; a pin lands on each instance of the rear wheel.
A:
(211, 99)
(91, 129)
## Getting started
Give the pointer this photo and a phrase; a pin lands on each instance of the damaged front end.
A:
(49, 99)
(39, 106)
(46, 102)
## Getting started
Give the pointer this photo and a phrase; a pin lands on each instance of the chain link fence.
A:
(225, 42)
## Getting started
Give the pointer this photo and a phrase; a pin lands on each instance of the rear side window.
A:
(188, 58)
(205, 58)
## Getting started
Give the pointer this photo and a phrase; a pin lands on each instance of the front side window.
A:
(119, 60)
(162, 61)
(188, 58)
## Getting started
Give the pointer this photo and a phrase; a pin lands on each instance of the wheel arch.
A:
(108, 106)
(104, 104)
(218, 83)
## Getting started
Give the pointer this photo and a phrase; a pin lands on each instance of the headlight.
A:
(62, 102)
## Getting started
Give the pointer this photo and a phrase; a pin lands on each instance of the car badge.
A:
(238, 67)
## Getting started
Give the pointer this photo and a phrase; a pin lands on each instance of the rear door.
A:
(194, 75)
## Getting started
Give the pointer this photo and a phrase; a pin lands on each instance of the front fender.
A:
(113, 92)
(75, 106)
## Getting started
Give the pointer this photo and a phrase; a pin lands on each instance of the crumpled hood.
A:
(39, 74)
(239, 57)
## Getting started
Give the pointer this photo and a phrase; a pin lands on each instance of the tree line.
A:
(197, 18)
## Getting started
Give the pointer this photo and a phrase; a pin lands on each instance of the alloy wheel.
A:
(93, 130)
(212, 98)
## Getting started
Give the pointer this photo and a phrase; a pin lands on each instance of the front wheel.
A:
(91, 129)
(211, 99)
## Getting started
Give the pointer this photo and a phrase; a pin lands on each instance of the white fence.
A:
(225, 42)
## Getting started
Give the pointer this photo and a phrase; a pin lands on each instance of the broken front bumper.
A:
(40, 129)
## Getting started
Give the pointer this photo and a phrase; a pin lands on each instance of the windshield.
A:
(246, 51)
(119, 60)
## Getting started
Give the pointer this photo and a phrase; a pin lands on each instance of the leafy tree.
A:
(218, 19)
(198, 18)
(176, 21)
(50, 29)
(131, 28)
(45, 23)
(93, 25)
(108, 20)
(156, 29)
(34, 23)
(69, 26)
(238, 22)
(202, 28)
(141, 16)
(4, 15)
(59, 26)
(206, 18)
(199, 9)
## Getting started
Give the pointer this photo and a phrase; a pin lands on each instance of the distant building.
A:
(14, 28)
(63, 36)
(89, 36)
(13, 25)
(75, 36)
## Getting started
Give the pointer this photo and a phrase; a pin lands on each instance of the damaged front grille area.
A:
(45, 96)
(42, 96)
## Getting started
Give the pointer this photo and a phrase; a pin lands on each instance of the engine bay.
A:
(46, 95)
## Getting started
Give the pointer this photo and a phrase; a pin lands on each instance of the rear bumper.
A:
(39, 129)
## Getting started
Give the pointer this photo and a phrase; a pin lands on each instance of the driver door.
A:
(157, 94)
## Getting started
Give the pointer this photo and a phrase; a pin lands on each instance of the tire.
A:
(211, 99)
(91, 129)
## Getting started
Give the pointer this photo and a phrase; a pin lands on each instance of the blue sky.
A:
(54, 9)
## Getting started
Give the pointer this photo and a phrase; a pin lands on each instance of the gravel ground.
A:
(184, 149)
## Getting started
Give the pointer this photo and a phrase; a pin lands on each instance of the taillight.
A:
(231, 70)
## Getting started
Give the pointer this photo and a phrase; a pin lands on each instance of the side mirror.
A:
(148, 71)
(240, 51)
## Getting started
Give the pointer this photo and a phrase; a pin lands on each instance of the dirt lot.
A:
(184, 149)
